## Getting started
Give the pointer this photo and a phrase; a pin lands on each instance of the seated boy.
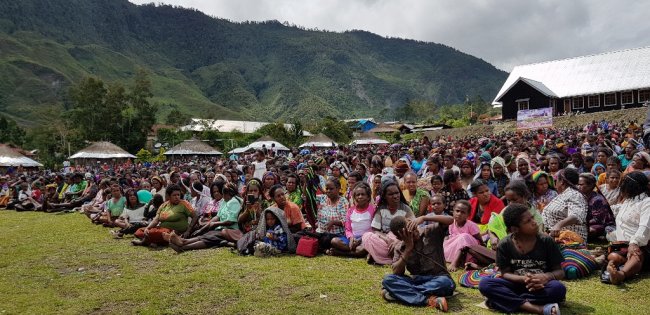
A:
(420, 251)
(530, 264)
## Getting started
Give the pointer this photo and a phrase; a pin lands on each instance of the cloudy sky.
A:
(503, 32)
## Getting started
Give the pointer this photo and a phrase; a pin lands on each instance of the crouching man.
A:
(420, 252)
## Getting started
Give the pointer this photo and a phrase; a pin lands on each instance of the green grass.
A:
(63, 264)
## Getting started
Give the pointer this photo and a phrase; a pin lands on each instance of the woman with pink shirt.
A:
(358, 221)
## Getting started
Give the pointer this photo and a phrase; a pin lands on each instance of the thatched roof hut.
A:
(319, 141)
(193, 147)
(102, 150)
(10, 157)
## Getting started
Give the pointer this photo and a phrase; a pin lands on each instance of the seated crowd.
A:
(517, 204)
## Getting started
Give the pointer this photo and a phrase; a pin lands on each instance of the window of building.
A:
(626, 98)
(593, 101)
(578, 103)
(522, 104)
(610, 99)
(644, 96)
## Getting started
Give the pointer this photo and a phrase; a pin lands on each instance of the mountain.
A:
(212, 67)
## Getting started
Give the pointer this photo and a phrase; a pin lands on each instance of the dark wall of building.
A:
(538, 100)
(522, 90)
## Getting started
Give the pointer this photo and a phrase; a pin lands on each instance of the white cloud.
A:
(504, 32)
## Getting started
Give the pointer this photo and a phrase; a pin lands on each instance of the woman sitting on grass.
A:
(417, 198)
(610, 189)
(332, 209)
(172, 215)
(220, 231)
(599, 215)
(530, 264)
(132, 218)
(632, 230)
(113, 208)
(380, 243)
(357, 222)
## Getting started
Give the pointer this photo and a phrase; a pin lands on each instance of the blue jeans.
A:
(417, 289)
(505, 296)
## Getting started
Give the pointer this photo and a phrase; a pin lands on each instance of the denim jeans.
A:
(417, 289)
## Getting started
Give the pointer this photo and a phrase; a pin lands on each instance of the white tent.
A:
(193, 147)
(368, 139)
(319, 141)
(238, 150)
(9, 157)
(266, 142)
(102, 150)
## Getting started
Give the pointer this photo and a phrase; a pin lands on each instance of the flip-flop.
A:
(548, 309)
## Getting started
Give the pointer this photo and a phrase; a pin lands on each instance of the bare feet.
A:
(175, 239)
(175, 247)
(471, 266)
(615, 276)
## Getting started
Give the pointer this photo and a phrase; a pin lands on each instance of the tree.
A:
(277, 131)
(177, 118)
(336, 129)
(111, 113)
(144, 155)
(10, 132)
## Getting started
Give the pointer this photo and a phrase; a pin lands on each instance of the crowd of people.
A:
(508, 202)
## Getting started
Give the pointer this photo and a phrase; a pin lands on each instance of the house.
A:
(594, 83)
(361, 125)
(221, 125)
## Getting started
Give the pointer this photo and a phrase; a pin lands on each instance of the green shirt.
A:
(229, 211)
(116, 207)
(77, 188)
(175, 216)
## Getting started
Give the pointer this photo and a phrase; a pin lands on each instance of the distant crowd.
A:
(514, 211)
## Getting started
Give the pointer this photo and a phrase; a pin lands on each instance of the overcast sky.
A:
(505, 33)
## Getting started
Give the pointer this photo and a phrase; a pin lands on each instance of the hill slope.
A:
(212, 67)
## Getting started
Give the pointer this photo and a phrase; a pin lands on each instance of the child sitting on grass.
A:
(530, 264)
(273, 234)
(420, 252)
(462, 234)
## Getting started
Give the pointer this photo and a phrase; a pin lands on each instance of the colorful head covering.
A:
(276, 178)
(537, 174)
(499, 160)
(596, 165)
(485, 156)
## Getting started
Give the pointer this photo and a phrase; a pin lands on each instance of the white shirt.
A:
(360, 222)
(135, 215)
(633, 220)
(260, 169)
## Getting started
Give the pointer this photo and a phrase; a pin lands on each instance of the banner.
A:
(535, 118)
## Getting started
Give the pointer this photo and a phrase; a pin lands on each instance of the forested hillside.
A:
(210, 67)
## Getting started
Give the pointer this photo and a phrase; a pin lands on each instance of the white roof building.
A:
(605, 81)
(221, 125)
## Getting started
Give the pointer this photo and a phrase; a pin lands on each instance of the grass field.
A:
(62, 264)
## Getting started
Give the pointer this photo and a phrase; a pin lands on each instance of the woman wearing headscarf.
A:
(500, 175)
(543, 189)
(269, 180)
(523, 168)
(568, 211)
(485, 173)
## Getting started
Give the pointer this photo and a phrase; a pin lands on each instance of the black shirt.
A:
(544, 256)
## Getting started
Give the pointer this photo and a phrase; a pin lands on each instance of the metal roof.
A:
(586, 75)
(222, 125)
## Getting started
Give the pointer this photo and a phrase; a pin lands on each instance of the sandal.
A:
(387, 296)
(548, 309)
(438, 303)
